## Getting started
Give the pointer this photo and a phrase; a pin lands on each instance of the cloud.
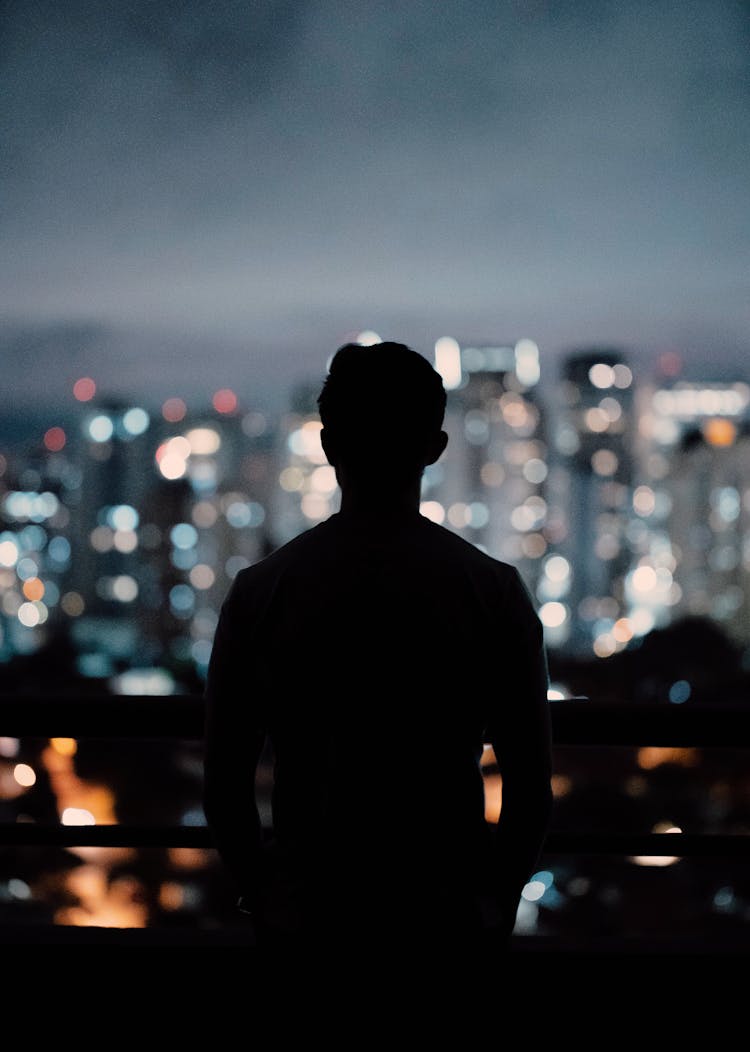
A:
(279, 173)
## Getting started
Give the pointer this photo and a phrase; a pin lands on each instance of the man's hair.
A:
(384, 399)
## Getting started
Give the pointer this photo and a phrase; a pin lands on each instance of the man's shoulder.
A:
(463, 552)
(294, 552)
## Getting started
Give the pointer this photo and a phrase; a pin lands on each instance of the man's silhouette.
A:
(378, 652)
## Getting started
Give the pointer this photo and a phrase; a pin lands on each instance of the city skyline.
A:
(622, 501)
(26, 412)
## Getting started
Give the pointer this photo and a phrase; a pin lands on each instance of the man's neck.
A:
(374, 502)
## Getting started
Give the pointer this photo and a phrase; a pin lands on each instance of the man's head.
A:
(382, 404)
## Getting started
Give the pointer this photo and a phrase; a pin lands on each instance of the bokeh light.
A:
(84, 389)
(173, 410)
(224, 400)
(54, 439)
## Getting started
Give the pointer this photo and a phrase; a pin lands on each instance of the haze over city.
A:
(205, 195)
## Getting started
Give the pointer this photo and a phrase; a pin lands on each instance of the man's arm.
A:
(234, 739)
(519, 731)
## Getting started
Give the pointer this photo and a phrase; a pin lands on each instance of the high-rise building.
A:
(161, 511)
(691, 530)
(489, 484)
(109, 536)
(35, 550)
(306, 487)
(211, 518)
(582, 589)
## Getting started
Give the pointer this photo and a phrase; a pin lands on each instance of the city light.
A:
(527, 362)
(492, 474)
(323, 479)
(77, 816)
(659, 861)
(553, 614)
(202, 576)
(84, 389)
(224, 401)
(720, 432)
(305, 442)
(605, 462)
(644, 579)
(123, 517)
(644, 500)
(622, 376)
(24, 775)
(124, 588)
(29, 615)
(183, 535)
(100, 428)
(557, 568)
(73, 604)
(534, 890)
(432, 510)
(601, 375)
(64, 746)
(315, 506)
(171, 457)
(291, 479)
(173, 410)
(368, 338)
(203, 440)
(136, 421)
(8, 553)
(448, 362)
(204, 514)
(54, 439)
(33, 588)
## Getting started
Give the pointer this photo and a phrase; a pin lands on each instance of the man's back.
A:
(378, 657)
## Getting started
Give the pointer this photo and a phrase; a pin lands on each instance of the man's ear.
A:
(329, 447)
(436, 447)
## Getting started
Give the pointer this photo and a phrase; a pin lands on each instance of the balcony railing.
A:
(574, 723)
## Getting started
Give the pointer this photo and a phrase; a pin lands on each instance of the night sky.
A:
(203, 194)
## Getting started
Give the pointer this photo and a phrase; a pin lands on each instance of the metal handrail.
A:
(181, 717)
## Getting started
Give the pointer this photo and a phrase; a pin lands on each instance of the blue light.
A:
(679, 692)
(238, 514)
(181, 599)
(59, 549)
(123, 517)
(193, 817)
(18, 505)
(94, 665)
(234, 564)
(26, 568)
(241, 514)
(201, 651)
(51, 593)
(724, 899)
(32, 538)
(184, 558)
(257, 513)
(183, 535)
(135, 421)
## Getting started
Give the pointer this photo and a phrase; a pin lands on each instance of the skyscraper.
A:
(489, 485)
(582, 588)
(691, 530)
